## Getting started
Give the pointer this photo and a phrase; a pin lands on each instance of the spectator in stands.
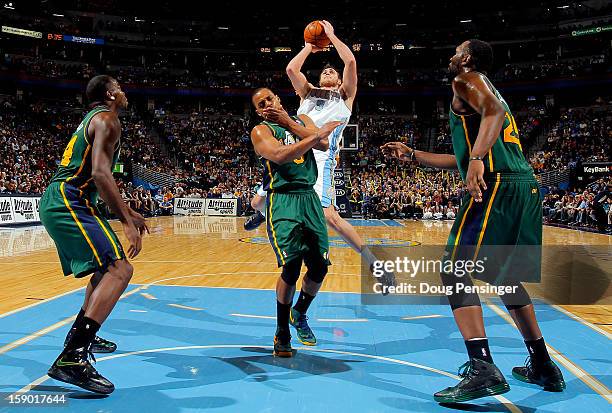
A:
(450, 210)
(167, 203)
(428, 210)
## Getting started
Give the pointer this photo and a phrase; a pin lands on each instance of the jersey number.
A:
(510, 132)
(68, 152)
(299, 160)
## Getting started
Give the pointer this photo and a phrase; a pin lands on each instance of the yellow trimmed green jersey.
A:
(506, 154)
(76, 164)
(294, 176)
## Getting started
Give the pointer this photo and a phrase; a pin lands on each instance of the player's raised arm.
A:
(267, 146)
(294, 71)
(106, 132)
(323, 144)
(349, 75)
(435, 160)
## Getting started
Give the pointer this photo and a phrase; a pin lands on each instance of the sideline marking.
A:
(46, 330)
(267, 317)
(581, 320)
(418, 317)
(46, 300)
(186, 307)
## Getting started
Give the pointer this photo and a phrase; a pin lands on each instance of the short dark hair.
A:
(482, 54)
(256, 91)
(330, 66)
(97, 88)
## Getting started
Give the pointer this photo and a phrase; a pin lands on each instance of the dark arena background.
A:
(194, 326)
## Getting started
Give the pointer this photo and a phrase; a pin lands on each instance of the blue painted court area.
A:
(188, 349)
(374, 222)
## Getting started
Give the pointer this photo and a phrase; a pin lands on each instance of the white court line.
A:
(186, 307)
(148, 296)
(32, 385)
(39, 333)
(267, 317)
(138, 311)
(418, 317)
(46, 300)
(507, 403)
(581, 320)
(576, 370)
(26, 339)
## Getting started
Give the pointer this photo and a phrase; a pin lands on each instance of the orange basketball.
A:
(315, 34)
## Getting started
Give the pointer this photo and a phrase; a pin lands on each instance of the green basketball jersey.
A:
(75, 165)
(296, 175)
(506, 155)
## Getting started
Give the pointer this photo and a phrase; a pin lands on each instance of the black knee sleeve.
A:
(317, 268)
(517, 299)
(291, 271)
(459, 299)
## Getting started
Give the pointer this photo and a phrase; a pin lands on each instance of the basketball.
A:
(315, 34)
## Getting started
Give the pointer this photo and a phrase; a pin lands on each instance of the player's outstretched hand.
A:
(328, 128)
(329, 29)
(396, 150)
(134, 239)
(475, 179)
(139, 222)
(275, 115)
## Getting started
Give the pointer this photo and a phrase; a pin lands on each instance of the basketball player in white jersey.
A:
(331, 101)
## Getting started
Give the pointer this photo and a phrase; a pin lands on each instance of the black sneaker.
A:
(480, 379)
(282, 345)
(254, 221)
(98, 345)
(548, 376)
(73, 367)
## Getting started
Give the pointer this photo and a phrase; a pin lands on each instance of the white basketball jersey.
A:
(323, 106)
